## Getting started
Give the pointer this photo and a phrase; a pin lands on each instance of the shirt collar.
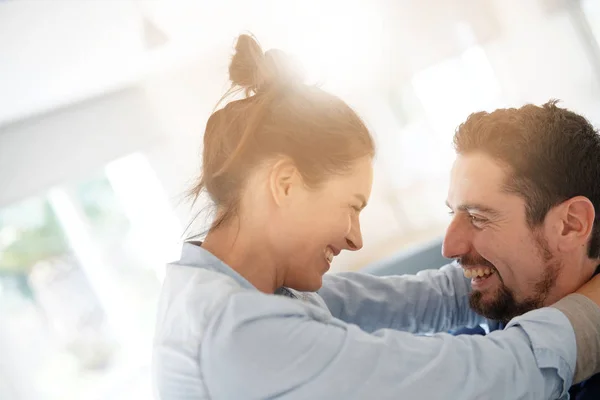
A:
(193, 255)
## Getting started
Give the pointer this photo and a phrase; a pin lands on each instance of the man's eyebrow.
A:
(474, 207)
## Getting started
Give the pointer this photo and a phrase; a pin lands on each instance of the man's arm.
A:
(430, 301)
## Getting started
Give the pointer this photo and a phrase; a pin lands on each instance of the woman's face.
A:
(316, 224)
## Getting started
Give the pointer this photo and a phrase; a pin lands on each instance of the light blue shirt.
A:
(218, 337)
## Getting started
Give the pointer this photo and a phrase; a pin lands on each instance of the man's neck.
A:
(573, 274)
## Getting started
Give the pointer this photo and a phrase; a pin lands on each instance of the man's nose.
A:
(457, 241)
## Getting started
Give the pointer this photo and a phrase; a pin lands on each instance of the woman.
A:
(289, 169)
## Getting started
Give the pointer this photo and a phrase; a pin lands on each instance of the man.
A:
(524, 192)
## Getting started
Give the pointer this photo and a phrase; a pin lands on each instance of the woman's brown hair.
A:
(279, 116)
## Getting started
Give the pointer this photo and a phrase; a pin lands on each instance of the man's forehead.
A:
(480, 169)
(476, 179)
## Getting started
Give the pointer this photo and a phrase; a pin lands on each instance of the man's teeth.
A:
(329, 255)
(476, 272)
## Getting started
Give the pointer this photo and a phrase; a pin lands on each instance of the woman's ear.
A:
(284, 179)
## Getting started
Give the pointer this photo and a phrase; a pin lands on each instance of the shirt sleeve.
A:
(430, 301)
(260, 347)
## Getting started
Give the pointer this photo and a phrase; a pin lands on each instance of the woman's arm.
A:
(430, 301)
(263, 347)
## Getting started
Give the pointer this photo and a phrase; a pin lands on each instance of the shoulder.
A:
(248, 306)
(196, 299)
(189, 298)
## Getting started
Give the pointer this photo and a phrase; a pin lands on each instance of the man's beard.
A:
(504, 305)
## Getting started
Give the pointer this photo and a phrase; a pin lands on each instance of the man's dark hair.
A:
(552, 153)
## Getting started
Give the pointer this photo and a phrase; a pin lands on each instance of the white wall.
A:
(71, 143)
(540, 56)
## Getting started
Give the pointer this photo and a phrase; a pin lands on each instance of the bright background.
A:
(102, 110)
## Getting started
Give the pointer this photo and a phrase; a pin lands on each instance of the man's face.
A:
(512, 267)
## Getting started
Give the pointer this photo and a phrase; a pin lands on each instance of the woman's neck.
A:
(247, 255)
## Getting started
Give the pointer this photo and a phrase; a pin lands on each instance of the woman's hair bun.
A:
(253, 70)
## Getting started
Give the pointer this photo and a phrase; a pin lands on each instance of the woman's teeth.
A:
(329, 255)
(478, 272)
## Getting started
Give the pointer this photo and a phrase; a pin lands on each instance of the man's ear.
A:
(284, 178)
(577, 216)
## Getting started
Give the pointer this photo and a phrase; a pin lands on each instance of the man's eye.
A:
(476, 220)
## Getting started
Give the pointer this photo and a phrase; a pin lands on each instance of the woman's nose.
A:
(354, 238)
